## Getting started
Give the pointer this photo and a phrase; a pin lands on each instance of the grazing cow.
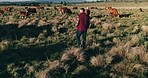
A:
(64, 10)
(48, 8)
(31, 10)
(108, 7)
(93, 8)
(55, 8)
(26, 7)
(140, 9)
(75, 8)
(1, 12)
(113, 11)
(24, 14)
(39, 7)
(8, 9)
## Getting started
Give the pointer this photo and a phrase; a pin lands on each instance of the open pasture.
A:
(43, 45)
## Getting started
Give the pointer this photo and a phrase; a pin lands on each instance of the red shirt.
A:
(82, 24)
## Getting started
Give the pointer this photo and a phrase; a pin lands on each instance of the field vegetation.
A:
(44, 45)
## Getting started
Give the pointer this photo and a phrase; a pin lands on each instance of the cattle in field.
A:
(47, 8)
(75, 8)
(24, 14)
(108, 7)
(1, 12)
(64, 10)
(39, 7)
(93, 8)
(26, 7)
(113, 11)
(55, 8)
(31, 10)
(141, 10)
(8, 9)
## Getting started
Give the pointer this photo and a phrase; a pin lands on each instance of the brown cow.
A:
(24, 14)
(64, 10)
(39, 7)
(8, 9)
(1, 12)
(113, 11)
(75, 8)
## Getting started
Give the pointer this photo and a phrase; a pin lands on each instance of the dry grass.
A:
(144, 29)
(114, 44)
(73, 53)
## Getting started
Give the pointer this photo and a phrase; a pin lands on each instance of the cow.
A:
(64, 10)
(1, 12)
(140, 9)
(24, 14)
(39, 7)
(55, 8)
(48, 8)
(31, 10)
(75, 8)
(113, 11)
(93, 8)
(26, 7)
(8, 9)
(108, 7)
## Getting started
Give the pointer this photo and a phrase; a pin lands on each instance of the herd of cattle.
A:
(29, 11)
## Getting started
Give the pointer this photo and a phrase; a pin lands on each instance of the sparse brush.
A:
(43, 74)
(96, 21)
(54, 64)
(117, 25)
(136, 54)
(23, 23)
(107, 26)
(136, 70)
(133, 42)
(116, 40)
(73, 53)
(100, 60)
(124, 68)
(136, 29)
(80, 69)
(96, 61)
(42, 22)
(120, 50)
(5, 45)
(33, 22)
(144, 29)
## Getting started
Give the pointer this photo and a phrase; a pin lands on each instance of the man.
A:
(81, 28)
(87, 11)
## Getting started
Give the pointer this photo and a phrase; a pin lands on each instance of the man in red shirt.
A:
(82, 27)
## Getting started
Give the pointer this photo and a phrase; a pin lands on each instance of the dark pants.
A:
(78, 35)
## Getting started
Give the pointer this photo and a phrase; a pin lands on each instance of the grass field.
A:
(44, 46)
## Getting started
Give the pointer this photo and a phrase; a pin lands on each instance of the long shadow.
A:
(28, 55)
(125, 15)
(13, 32)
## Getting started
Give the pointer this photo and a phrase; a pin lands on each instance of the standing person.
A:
(87, 11)
(81, 28)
